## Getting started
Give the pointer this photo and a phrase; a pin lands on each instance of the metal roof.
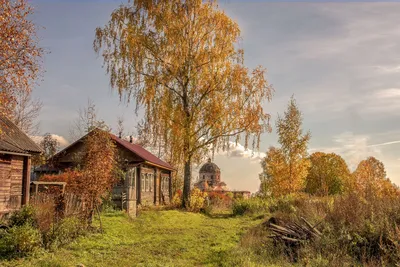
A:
(143, 153)
(147, 156)
(12, 139)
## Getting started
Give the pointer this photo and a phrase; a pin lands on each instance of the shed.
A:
(16, 149)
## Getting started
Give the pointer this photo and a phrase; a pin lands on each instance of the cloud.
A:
(353, 148)
(388, 93)
(239, 151)
(389, 69)
(386, 143)
(61, 140)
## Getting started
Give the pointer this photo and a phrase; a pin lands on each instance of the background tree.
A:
(327, 175)
(369, 176)
(86, 121)
(50, 146)
(179, 61)
(120, 127)
(286, 168)
(20, 54)
(274, 178)
(26, 112)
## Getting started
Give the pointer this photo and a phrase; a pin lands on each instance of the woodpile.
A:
(292, 233)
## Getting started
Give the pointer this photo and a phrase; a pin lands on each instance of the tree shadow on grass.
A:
(220, 215)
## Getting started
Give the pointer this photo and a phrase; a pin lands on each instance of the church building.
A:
(210, 180)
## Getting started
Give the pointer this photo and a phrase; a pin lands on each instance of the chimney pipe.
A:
(120, 135)
(130, 139)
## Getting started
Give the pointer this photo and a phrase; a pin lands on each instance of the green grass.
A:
(155, 238)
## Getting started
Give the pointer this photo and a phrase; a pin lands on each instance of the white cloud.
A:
(386, 143)
(389, 69)
(353, 148)
(388, 93)
(61, 140)
(239, 151)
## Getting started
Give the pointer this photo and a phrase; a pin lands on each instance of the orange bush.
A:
(71, 177)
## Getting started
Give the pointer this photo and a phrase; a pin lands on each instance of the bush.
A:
(355, 230)
(251, 206)
(63, 232)
(42, 223)
(197, 200)
(72, 177)
(176, 201)
(220, 200)
(19, 240)
(25, 215)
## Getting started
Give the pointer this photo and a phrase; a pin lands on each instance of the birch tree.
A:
(20, 54)
(26, 112)
(180, 61)
(285, 168)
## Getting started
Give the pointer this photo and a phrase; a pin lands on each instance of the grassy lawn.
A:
(155, 238)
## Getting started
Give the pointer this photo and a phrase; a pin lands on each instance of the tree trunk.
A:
(186, 183)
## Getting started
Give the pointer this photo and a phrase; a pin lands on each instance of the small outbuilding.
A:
(16, 150)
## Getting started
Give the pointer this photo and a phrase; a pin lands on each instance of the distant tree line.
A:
(289, 169)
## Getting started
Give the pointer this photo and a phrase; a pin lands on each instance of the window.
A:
(164, 184)
(143, 182)
(151, 182)
(131, 177)
(147, 180)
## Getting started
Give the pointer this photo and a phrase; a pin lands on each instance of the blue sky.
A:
(340, 60)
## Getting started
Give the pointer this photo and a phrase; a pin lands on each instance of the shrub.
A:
(355, 230)
(197, 200)
(19, 240)
(71, 177)
(25, 215)
(250, 206)
(107, 204)
(176, 201)
(63, 232)
(220, 199)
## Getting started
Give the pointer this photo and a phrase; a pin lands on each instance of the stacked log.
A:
(292, 233)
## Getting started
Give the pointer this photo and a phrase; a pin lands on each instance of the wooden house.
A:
(148, 178)
(16, 149)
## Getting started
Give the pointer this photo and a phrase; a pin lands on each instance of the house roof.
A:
(143, 153)
(13, 139)
(147, 157)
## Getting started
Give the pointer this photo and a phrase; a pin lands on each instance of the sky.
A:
(341, 61)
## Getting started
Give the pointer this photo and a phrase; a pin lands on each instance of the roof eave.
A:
(160, 166)
(14, 153)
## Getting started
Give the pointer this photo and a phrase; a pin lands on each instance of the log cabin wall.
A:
(11, 179)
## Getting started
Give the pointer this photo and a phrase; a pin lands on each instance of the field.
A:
(155, 238)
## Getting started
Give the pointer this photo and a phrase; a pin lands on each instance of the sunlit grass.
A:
(155, 238)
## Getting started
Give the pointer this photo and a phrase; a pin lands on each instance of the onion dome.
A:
(209, 167)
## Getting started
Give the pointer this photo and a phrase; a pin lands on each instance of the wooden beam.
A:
(26, 180)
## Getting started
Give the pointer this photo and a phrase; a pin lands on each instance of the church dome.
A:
(209, 167)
